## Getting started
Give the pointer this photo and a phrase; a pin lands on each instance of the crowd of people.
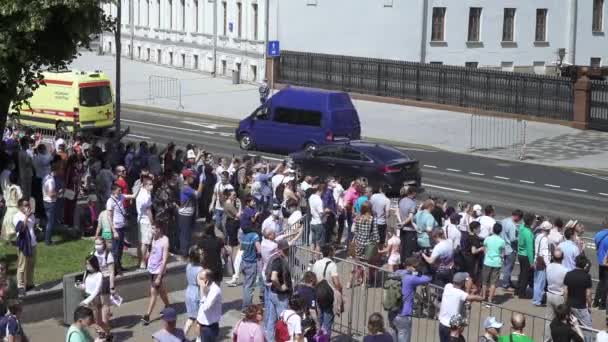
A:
(251, 214)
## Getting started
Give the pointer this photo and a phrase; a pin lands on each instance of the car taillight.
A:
(329, 136)
(76, 115)
(390, 169)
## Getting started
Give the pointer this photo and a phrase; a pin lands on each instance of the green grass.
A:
(53, 262)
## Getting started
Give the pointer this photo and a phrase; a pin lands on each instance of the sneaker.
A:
(145, 320)
(142, 266)
(232, 283)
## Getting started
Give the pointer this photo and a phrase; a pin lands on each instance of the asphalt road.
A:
(545, 190)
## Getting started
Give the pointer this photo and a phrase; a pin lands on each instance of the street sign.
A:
(274, 48)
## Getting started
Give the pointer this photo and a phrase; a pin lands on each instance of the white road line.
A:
(445, 188)
(430, 166)
(138, 136)
(453, 170)
(603, 194)
(501, 177)
(414, 149)
(582, 173)
(526, 181)
(264, 157)
(163, 126)
(477, 173)
(552, 186)
(579, 190)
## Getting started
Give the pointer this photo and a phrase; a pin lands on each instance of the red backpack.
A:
(281, 331)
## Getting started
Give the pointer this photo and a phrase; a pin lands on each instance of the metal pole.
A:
(215, 38)
(132, 26)
(272, 77)
(118, 52)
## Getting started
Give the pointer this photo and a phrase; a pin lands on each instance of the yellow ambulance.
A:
(70, 101)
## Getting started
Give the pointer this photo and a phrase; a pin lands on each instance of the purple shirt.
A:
(247, 217)
(409, 282)
(328, 200)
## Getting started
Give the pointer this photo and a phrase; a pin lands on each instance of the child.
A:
(392, 248)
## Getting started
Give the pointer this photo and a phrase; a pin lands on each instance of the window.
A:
(159, 56)
(239, 9)
(148, 54)
(327, 152)
(508, 25)
(158, 13)
(195, 15)
(170, 14)
(95, 96)
(224, 67)
(148, 13)
(541, 25)
(436, 63)
(137, 7)
(255, 21)
(183, 7)
(438, 24)
(183, 65)
(350, 154)
(195, 66)
(254, 73)
(225, 16)
(139, 52)
(170, 58)
(598, 16)
(474, 24)
(596, 62)
(471, 64)
(298, 117)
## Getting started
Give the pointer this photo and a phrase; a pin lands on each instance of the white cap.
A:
(477, 208)
(546, 225)
(58, 143)
(491, 322)
(190, 154)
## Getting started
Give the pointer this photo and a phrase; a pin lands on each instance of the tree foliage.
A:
(36, 35)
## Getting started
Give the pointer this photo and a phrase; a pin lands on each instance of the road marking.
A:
(163, 126)
(138, 136)
(453, 170)
(445, 188)
(582, 173)
(603, 194)
(526, 181)
(579, 190)
(414, 149)
(552, 186)
(264, 157)
(477, 173)
(430, 166)
(501, 177)
(207, 125)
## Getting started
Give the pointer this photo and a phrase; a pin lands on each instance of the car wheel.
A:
(246, 142)
(61, 129)
(310, 147)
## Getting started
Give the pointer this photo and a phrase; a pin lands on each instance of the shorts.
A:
(145, 233)
(490, 275)
(394, 259)
(318, 234)
(153, 278)
(232, 230)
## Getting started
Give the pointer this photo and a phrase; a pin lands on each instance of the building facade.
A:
(513, 35)
(180, 33)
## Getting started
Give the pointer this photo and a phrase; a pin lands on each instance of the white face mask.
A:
(99, 248)
(90, 268)
(276, 213)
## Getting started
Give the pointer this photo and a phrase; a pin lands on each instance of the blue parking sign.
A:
(274, 49)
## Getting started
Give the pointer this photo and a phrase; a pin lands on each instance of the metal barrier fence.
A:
(361, 300)
(598, 117)
(506, 92)
(490, 133)
(162, 87)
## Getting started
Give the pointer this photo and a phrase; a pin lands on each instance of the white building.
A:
(518, 35)
(180, 33)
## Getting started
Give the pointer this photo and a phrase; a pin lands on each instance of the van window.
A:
(95, 96)
(298, 117)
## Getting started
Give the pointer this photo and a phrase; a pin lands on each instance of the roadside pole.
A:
(132, 27)
(118, 52)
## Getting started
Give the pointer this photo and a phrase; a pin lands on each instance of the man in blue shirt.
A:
(601, 246)
(509, 234)
(250, 245)
(569, 249)
(401, 321)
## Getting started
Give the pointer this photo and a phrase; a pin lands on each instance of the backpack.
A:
(281, 330)
(392, 295)
(324, 293)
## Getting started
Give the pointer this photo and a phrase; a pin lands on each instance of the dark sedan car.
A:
(380, 164)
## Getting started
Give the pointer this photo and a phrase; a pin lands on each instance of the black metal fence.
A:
(507, 92)
(598, 118)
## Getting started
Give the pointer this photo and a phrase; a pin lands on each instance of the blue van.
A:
(299, 118)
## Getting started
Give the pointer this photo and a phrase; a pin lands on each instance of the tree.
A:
(39, 34)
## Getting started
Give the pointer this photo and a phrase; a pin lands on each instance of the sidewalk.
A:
(548, 144)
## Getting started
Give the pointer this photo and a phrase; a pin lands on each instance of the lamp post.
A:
(117, 36)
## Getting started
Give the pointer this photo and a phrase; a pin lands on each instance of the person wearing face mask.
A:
(118, 214)
(187, 210)
(92, 286)
(217, 201)
(274, 221)
(106, 266)
(401, 319)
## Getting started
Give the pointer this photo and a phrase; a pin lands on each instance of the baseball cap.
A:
(457, 321)
(168, 314)
(491, 322)
(187, 173)
(477, 208)
(546, 225)
(460, 277)
(190, 154)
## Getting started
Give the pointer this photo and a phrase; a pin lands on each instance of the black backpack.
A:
(324, 292)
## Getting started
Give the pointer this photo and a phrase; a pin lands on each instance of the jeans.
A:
(250, 273)
(507, 270)
(349, 224)
(382, 232)
(600, 293)
(184, 224)
(117, 248)
(444, 333)
(50, 209)
(218, 217)
(540, 278)
(326, 318)
(210, 333)
(524, 276)
(403, 328)
(277, 303)
(59, 210)
(584, 319)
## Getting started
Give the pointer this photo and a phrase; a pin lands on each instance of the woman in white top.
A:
(210, 310)
(293, 318)
(93, 281)
(106, 266)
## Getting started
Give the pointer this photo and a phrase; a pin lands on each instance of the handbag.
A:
(540, 261)
(370, 251)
